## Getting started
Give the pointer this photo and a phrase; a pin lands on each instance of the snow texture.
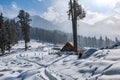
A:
(39, 64)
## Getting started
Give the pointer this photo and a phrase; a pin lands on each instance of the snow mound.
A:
(89, 52)
(115, 46)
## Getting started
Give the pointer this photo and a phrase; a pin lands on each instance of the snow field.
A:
(37, 64)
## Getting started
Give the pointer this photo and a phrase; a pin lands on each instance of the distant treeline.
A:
(59, 37)
(93, 42)
(42, 35)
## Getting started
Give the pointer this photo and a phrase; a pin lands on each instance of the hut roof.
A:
(68, 47)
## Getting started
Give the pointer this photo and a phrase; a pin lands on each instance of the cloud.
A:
(14, 6)
(50, 15)
(11, 11)
(105, 3)
(117, 8)
(61, 7)
(40, 0)
(1, 8)
(93, 17)
(99, 4)
(57, 12)
(111, 22)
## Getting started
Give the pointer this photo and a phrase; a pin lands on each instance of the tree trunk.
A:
(26, 46)
(74, 21)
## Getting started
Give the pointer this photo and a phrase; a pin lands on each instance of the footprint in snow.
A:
(1, 75)
(4, 70)
(19, 71)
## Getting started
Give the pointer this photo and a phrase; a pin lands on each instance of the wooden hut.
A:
(68, 47)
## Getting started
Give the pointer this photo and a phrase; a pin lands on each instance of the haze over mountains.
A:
(107, 27)
(39, 22)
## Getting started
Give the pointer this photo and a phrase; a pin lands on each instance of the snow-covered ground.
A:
(38, 64)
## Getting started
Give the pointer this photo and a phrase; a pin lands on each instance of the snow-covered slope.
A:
(39, 22)
(38, 64)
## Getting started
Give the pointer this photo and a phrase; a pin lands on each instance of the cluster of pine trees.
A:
(42, 35)
(8, 34)
(94, 42)
(12, 31)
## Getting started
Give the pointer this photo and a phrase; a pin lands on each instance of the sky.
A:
(98, 12)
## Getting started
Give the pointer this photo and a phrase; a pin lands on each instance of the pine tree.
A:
(2, 35)
(94, 42)
(25, 25)
(100, 42)
(8, 35)
(107, 42)
(75, 12)
(116, 40)
(19, 31)
(14, 32)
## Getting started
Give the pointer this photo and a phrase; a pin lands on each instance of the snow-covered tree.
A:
(25, 25)
(116, 40)
(3, 39)
(75, 12)
(100, 43)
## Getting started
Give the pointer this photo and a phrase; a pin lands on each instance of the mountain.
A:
(65, 26)
(39, 22)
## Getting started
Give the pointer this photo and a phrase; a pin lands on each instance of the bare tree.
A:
(75, 12)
